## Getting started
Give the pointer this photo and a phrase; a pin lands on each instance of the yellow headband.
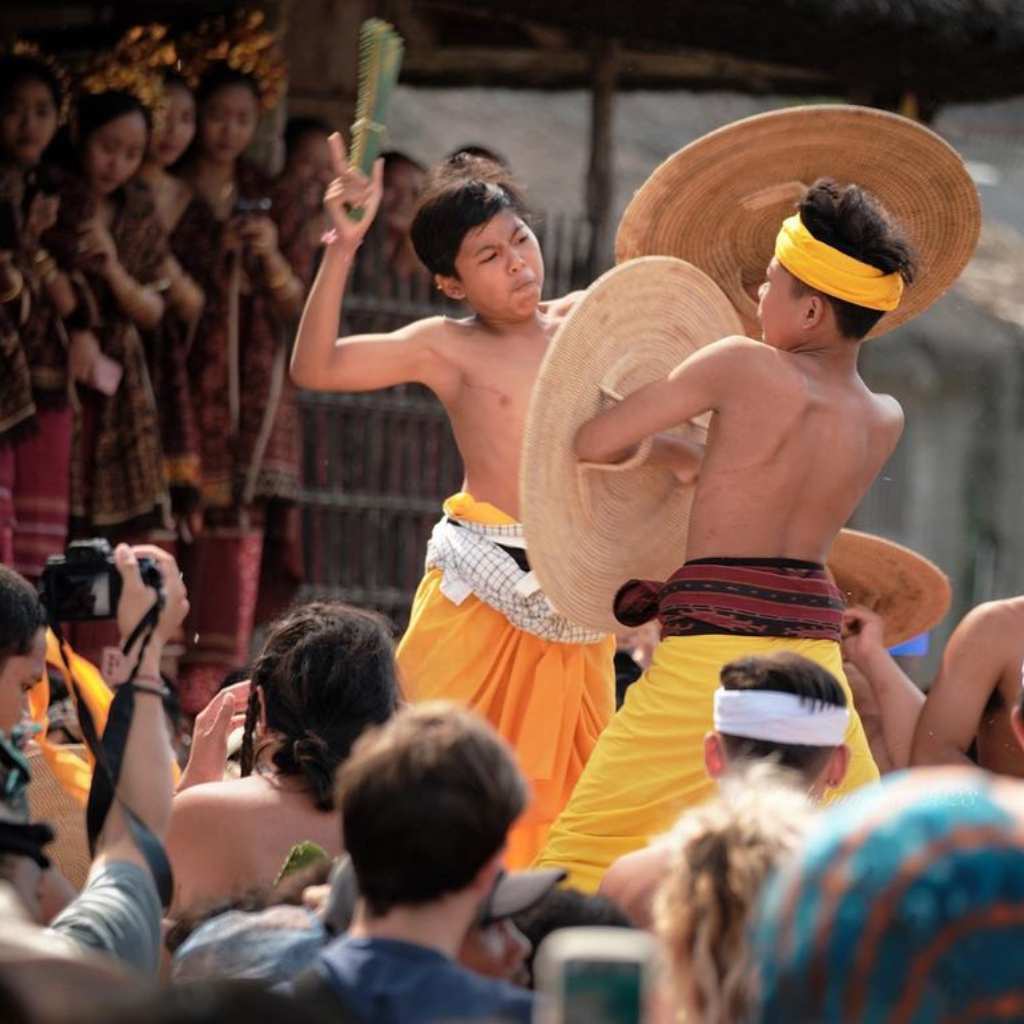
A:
(832, 271)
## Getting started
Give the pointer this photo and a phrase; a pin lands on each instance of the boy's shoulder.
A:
(562, 306)
(743, 361)
(439, 328)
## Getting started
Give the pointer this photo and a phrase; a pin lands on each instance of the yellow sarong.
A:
(73, 772)
(648, 766)
(549, 700)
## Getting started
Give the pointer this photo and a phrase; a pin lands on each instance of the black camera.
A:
(83, 584)
(245, 207)
(41, 180)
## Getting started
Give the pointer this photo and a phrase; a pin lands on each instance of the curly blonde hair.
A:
(722, 853)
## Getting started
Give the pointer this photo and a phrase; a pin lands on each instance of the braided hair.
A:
(722, 854)
(326, 673)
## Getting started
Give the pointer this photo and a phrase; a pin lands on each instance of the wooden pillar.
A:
(601, 172)
(322, 45)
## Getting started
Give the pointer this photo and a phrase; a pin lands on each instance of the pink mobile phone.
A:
(106, 375)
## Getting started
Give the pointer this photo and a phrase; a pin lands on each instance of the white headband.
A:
(779, 718)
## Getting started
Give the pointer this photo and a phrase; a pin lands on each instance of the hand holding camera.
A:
(250, 226)
(259, 232)
(91, 582)
(139, 567)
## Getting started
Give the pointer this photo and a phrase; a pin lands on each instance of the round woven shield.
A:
(909, 592)
(719, 202)
(590, 529)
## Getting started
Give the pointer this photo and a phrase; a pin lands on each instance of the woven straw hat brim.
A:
(720, 201)
(50, 802)
(911, 594)
(589, 530)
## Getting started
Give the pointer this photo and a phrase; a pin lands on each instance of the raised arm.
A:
(898, 698)
(694, 387)
(971, 669)
(321, 361)
(145, 784)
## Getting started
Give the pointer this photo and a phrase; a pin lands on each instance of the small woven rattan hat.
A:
(911, 593)
(634, 325)
(719, 202)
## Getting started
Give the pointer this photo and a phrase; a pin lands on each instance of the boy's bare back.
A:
(795, 441)
(790, 455)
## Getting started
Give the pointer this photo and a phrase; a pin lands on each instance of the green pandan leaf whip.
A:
(380, 60)
(301, 855)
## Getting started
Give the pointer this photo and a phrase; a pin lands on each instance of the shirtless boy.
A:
(977, 688)
(480, 632)
(796, 438)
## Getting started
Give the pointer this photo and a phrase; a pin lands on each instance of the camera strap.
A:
(108, 752)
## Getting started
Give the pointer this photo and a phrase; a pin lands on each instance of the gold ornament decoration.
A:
(241, 42)
(151, 46)
(30, 51)
(134, 66)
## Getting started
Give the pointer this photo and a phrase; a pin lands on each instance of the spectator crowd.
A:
(337, 853)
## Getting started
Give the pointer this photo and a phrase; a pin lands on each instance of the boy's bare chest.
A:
(500, 381)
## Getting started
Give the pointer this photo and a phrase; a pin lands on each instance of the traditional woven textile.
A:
(739, 597)
(471, 559)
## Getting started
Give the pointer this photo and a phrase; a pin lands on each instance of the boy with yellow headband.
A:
(796, 439)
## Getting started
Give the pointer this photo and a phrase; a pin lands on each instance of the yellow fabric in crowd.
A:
(72, 771)
(648, 766)
(550, 701)
(832, 271)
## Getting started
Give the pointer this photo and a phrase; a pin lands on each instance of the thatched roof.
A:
(941, 50)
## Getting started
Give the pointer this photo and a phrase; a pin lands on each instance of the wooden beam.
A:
(533, 68)
(601, 172)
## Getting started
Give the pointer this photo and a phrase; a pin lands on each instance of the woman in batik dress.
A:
(248, 422)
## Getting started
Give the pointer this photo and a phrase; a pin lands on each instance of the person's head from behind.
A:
(566, 908)
(30, 101)
(325, 673)
(903, 902)
(840, 264)
(475, 151)
(307, 157)
(471, 233)
(495, 946)
(22, 645)
(721, 854)
(426, 803)
(782, 708)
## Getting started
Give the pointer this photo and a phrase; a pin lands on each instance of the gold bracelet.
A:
(15, 289)
(49, 273)
(46, 266)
